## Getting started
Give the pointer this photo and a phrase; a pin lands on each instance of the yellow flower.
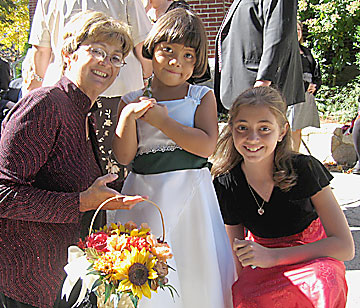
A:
(139, 233)
(117, 229)
(106, 263)
(137, 268)
(116, 242)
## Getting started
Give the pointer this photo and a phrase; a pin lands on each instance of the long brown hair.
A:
(227, 157)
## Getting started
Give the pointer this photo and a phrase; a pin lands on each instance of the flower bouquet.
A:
(119, 263)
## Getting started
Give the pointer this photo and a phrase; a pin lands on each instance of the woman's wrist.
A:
(83, 206)
(38, 77)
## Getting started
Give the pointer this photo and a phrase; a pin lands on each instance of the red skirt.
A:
(318, 283)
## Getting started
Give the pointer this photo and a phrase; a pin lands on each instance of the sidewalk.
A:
(346, 188)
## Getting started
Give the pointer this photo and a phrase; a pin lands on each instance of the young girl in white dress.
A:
(168, 139)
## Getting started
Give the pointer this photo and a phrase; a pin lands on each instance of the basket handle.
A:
(117, 198)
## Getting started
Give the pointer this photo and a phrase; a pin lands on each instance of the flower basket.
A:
(119, 263)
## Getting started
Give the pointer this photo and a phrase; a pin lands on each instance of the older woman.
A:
(50, 178)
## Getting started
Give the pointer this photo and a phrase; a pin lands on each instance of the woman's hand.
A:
(250, 253)
(98, 192)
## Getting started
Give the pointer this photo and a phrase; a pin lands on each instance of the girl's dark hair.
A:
(183, 27)
(227, 157)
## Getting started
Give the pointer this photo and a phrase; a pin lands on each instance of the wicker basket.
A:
(125, 301)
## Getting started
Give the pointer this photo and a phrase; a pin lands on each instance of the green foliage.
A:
(333, 34)
(332, 31)
(14, 27)
(339, 103)
(5, 8)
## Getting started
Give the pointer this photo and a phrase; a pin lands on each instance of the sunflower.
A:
(137, 268)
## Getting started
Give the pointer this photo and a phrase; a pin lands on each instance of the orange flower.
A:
(105, 263)
(162, 251)
(130, 225)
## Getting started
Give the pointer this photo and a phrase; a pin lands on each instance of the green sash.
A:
(160, 162)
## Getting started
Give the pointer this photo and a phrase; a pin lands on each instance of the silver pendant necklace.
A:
(261, 210)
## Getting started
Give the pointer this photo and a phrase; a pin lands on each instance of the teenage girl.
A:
(297, 233)
(168, 139)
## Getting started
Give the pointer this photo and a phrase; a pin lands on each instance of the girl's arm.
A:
(125, 140)
(339, 243)
(233, 232)
(199, 140)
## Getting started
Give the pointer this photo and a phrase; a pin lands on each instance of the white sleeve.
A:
(40, 33)
(138, 21)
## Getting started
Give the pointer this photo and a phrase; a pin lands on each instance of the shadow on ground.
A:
(353, 217)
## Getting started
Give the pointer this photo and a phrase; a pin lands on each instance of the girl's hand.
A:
(138, 109)
(251, 253)
(156, 115)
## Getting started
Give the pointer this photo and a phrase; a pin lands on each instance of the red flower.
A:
(138, 242)
(81, 244)
(98, 241)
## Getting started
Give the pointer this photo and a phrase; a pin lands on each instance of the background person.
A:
(291, 256)
(157, 8)
(305, 114)
(48, 25)
(356, 138)
(257, 46)
(5, 104)
(50, 179)
(5, 76)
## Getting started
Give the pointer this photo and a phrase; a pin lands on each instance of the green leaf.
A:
(107, 291)
(97, 283)
(171, 290)
(95, 273)
(134, 299)
(92, 254)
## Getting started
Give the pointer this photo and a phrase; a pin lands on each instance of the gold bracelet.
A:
(38, 78)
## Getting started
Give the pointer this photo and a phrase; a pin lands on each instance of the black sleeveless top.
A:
(286, 213)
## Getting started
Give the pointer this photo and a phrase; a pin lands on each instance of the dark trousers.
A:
(356, 137)
(6, 302)
(105, 121)
(88, 302)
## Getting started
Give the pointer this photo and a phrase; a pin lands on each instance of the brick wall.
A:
(32, 6)
(212, 12)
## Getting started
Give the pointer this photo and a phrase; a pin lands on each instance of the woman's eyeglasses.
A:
(100, 54)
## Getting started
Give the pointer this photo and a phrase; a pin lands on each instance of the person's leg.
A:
(6, 302)
(296, 138)
(89, 301)
(356, 138)
(106, 121)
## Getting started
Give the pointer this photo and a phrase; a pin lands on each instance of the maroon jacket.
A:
(45, 161)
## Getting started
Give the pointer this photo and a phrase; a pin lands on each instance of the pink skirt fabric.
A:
(318, 283)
